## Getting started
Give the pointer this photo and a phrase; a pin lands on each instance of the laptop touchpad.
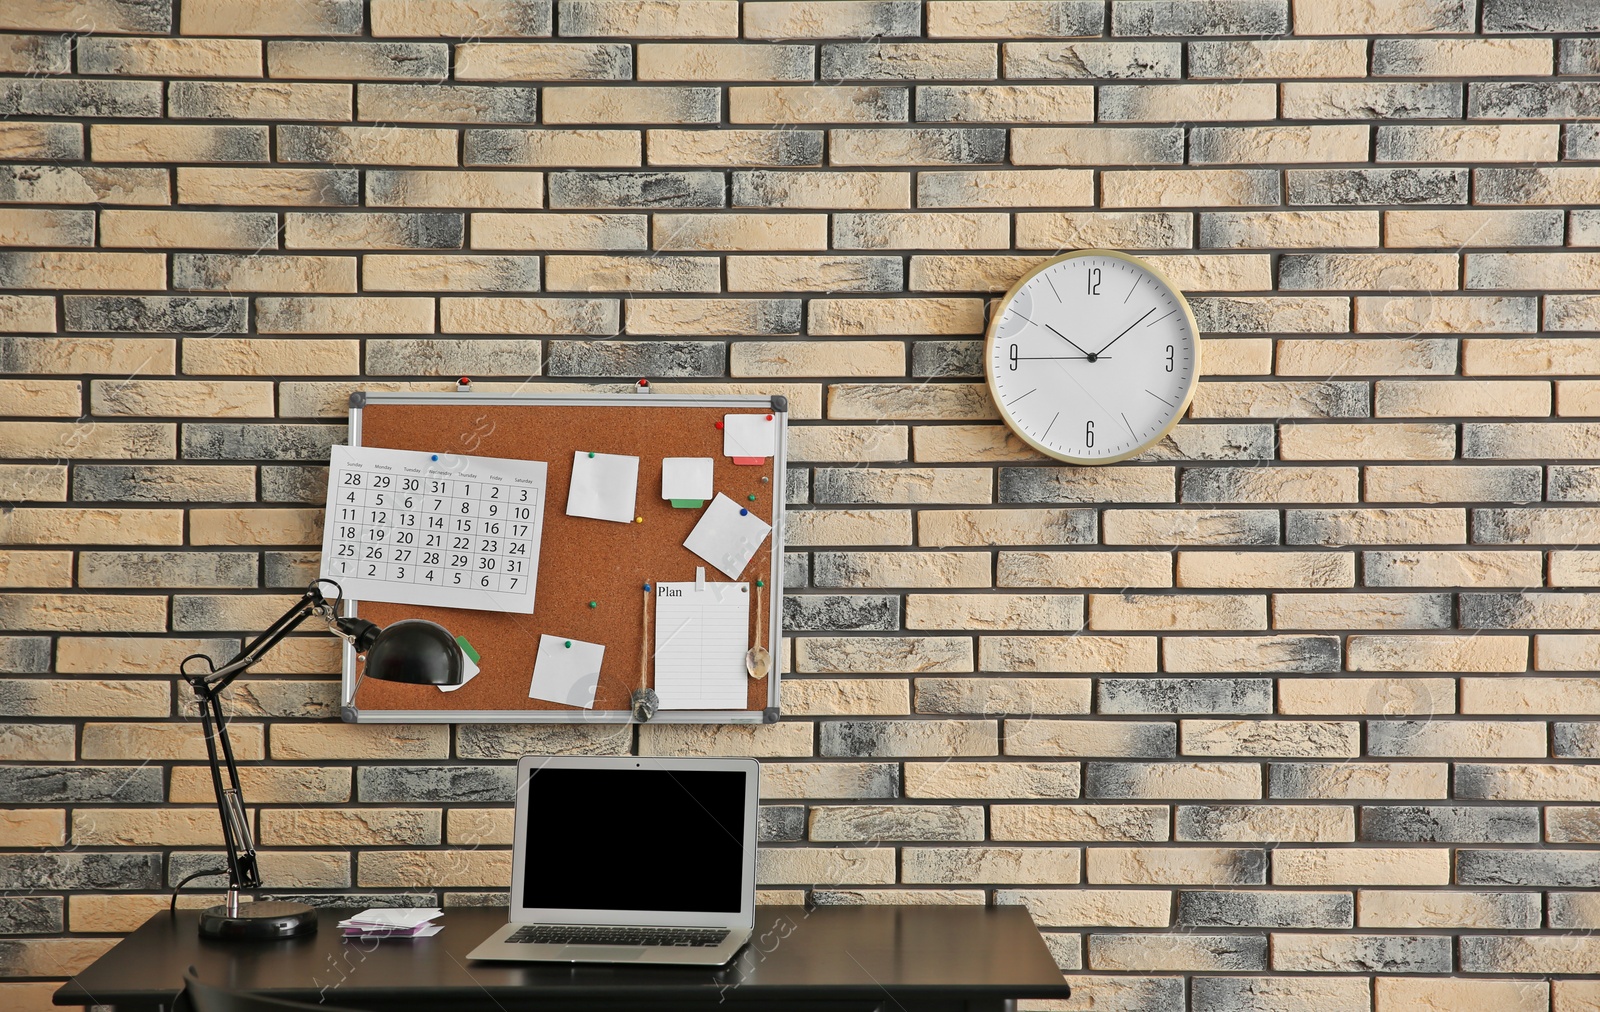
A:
(601, 953)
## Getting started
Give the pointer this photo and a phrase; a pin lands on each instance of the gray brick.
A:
(1224, 315)
(167, 569)
(32, 915)
(1117, 61)
(781, 824)
(947, 359)
(636, 189)
(24, 655)
(1229, 484)
(184, 863)
(797, 486)
(1217, 442)
(1371, 954)
(33, 785)
(1231, 909)
(62, 141)
(259, 441)
(118, 871)
(1541, 15)
(42, 54)
(416, 784)
(841, 613)
(1581, 142)
(1579, 56)
(1550, 868)
(1449, 824)
(353, 899)
(286, 483)
(1046, 485)
(1510, 186)
(796, 570)
(1577, 740)
(1406, 100)
(75, 98)
(956, 145)
(845, 61)
(432, 356)
(1567, 910)
(873, 823)
(150, 314)
(1377, 186)
(1497, 611)
(1255, 994)
(1184, 695)
(498, 898)
(1213, 952)
(1533, 100)
(656, 359)
(1187, 18)
(513, 741)
(290, 569)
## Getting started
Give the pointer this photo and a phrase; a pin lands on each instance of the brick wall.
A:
(1289, 713)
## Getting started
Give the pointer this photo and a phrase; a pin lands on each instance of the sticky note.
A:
(566, 671)
(749, 439)
(686, 481)
(604, 486)
(727, 535)
(469, 664)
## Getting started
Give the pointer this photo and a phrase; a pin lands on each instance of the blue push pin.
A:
(436, 456)
(647, 588)
(744, 512)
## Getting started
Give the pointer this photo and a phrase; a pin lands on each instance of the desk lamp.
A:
(411, 650)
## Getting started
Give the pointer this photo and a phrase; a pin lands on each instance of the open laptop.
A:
(631, 860)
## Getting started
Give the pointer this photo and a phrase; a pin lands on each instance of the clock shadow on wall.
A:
(1092, 357)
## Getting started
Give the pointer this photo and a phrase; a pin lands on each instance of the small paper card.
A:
(749, 439)
(727, 535)
(604, 486)
(686, 481)
(566, 671)
(469, 664)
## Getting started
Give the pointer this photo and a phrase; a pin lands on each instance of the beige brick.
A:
(360, 741)
(978, 779)
(651, 18)
(1337, 612)
(818, 104)
(1274, 58)
(554, 148)
(1571, 312)
(463, 18)
(1361, 866)
(486, 869)
(1399, 525)
(631, 274)
(1171, 611)
(1358, 780)
(271, 356)
(190, 229)
(1408, 908)
(1005, 188)
(1577, 397)
(42, 957)
(1358, 440)
(92, 526)
(1094, 229)
(1266, 823)
(1089, 654)
(171, 57)
(255, 527)
(820, 867)
(969, 443)
(85, 271)
(38, 141)
(317, 17)
(789, 738)
(905, 569)
(710, 317)
(1503, 142)
(299, 785)
(882, 654)
(46, 227)
(823, 190)
(38, 743)
(41, 398)
(1180, 526)
(817, 358)
(872, 317)
(699, 61)
(1210, 273)
(221, 185)
(1167, 866)
(479, 827)
(454, 189)
(358, 314)
(1021, 865)
(1052, 823)
(919, 230)
(812, 697)
(719, 232)
(584, 105)
(1068, 908)
(1389, 696)
(1536, 695)
(164, 741)
(1367, 356)
(797, 19)
(1527, 356)
(1571, 569)
(782, 780)
(994, 696)
(1288, 229)
(81, 697)
(124, 827)
(847, 444)
(144, 142)
(449, 273)
(527, 316)
(542, 61)
(72, 440)
(559, 231)
(1466, 568)
(1380, 17)
(19, 313)
(1266, 569)
(1189, 188)
(1169, 103)
(350, 826)
(33, 482)
(1095, 146)
(993, 611)
(211, 399)
(1458, 228)
(1443, 315)
(35, 569)
(981, 528)
(34, 827)
(1574, 995)
(733, 147)
(1394, 993)
(1009, 103)
(1270, 738)
(1476, 652)
(847, 527)
(1473, 58)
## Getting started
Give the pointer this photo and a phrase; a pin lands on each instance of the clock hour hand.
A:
(1119, 337)
(1087, 353)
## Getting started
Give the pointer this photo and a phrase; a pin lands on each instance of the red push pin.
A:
(718, 424)
(644, 383)
(769, 418)
(464, 385)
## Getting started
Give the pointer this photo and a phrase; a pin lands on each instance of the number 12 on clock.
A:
(446, 530)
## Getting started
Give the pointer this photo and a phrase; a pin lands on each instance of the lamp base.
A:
(258, 922)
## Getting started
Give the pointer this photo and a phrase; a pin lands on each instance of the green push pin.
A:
(751, 497)
(568, 644)
(594, 604)
(761, 583)
(591, 454)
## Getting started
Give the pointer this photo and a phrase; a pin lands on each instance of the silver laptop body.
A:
(631, 859)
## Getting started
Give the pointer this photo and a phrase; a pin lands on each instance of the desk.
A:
(832, 959)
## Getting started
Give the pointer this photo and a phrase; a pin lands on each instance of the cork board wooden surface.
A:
(580, 560)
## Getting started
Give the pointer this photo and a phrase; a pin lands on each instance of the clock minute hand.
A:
(1119, 337)
(1070, 341)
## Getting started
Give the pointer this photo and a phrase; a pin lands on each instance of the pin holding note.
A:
(727, 536)
(749, 439)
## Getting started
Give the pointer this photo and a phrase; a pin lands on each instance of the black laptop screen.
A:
(635, 839)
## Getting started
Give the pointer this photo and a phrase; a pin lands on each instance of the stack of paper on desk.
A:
(390, 922)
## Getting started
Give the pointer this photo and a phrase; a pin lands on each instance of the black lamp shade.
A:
(417, 651)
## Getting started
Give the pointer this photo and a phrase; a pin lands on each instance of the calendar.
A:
(440, 529)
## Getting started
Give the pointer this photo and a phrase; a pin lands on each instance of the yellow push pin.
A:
(638, 520)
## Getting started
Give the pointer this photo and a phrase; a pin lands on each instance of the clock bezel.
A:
(998, 310)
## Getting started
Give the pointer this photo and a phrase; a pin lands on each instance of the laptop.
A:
(631, 859)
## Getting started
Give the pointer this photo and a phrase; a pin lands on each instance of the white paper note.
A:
(687, 478)
(701, 639)
(604, 486)
(566, 674)
(727, 535)
(749, 439)
(438, 529)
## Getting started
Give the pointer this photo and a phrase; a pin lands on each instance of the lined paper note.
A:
(701, 639)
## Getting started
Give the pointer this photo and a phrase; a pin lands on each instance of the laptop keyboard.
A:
(554, 934)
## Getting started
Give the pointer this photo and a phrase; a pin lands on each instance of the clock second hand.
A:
(1119, 337)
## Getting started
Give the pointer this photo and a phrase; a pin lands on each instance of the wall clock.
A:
(1092, 357)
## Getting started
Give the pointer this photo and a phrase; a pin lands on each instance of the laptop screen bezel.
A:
(646, 871)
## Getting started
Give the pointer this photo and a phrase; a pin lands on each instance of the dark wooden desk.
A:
(832, 959)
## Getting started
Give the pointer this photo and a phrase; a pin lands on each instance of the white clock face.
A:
(1093, 358)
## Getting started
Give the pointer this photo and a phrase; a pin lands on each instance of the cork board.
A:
(580, 559)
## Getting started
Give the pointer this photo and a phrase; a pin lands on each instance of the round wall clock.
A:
(1092, 357)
